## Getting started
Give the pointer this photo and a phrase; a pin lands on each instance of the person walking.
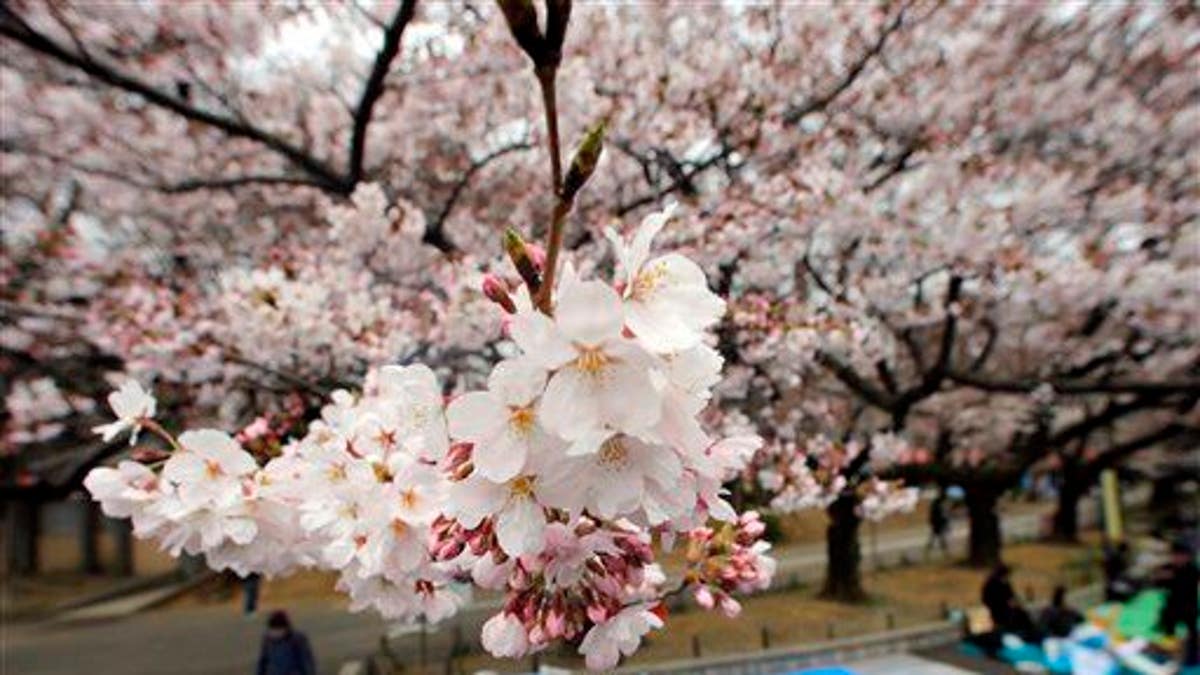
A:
(284, 651)
(939, 523)
(250, 586)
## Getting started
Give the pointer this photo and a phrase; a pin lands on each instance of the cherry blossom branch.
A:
(1065, 387)
(546, 77)
(292, 378)
(819, 102)
(439, 221)
(544, 49)
(15, 28)
(1118, 452)
(582, 166)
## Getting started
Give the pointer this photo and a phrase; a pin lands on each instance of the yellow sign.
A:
(1111, 495)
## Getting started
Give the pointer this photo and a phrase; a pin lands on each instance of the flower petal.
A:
(589, 313)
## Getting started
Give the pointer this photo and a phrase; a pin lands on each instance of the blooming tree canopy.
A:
(911, 235)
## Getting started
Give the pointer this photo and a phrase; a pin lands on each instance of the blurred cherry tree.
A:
(956, 242)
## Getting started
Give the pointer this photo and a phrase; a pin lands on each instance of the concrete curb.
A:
(129, 587)
(791, 658)
(119, 607)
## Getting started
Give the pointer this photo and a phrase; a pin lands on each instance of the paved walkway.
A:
(904, 664)
(192, 641)
(885, 547)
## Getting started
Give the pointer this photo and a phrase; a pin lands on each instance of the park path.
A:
(216, 641)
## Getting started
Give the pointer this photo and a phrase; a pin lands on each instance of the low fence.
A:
(832, 651)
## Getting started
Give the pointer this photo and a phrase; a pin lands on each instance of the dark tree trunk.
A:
(20, 536)
(984, 540)
(1164, 494)
(843, 571)
(122, 533)
(1066, 515)
(89, 533)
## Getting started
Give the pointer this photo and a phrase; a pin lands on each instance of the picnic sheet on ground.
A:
(1115, 640)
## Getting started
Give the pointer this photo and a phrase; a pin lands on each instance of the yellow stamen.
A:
(647, 281)
(381, 472)
(337, 473)
(521, 486)
(522, 420)
(613, 453)
(409, 498)
(212, 469)
(591, 360)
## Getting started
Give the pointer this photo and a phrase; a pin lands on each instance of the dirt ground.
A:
(900, 597)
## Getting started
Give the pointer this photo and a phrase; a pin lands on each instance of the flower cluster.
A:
(37, 410)
(550, 485)
(729, 560)
(815, 473)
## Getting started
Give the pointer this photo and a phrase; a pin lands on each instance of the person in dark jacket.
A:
(1059, 618)
(1001, 601)
(939, 522)
(284, 651)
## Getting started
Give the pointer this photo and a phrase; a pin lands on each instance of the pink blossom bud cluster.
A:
(727, 561)
(585, 578)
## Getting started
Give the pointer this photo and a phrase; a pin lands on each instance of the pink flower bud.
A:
(538, 255)
(730, 607)
(556, 624)
(496, 290)
(597, 613)
(704, 597)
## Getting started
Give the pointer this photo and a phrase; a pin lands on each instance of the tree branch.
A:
(819, 102)
(373, 89)
(435, 228)
(849, 377)
(15, 28)
(1025, 386)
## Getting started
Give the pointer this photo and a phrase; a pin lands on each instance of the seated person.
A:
(1059, 618)
(1118, 585)
(1181, 579)
(1007, 613)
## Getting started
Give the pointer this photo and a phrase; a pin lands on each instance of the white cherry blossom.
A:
(601, 378)
(621, 635)
(502, 422)
(131, 404)
(668, 305)
(514, 507)
(210, 466)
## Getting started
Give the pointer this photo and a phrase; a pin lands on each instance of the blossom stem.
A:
(544, 299)
(546, 76)
(157, 429)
